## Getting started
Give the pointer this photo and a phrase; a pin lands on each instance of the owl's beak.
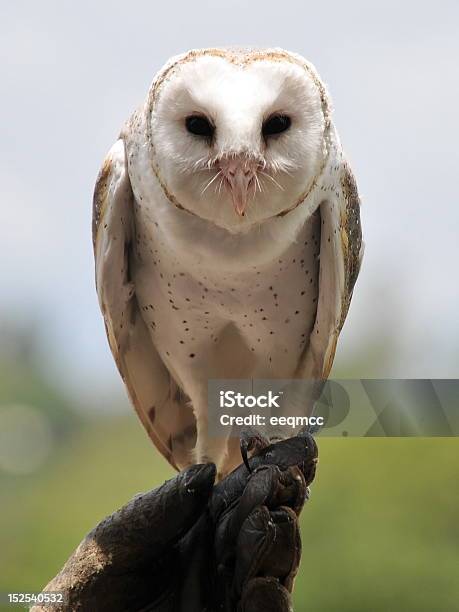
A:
(240, 177)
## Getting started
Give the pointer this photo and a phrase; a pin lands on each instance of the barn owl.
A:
(226, 227)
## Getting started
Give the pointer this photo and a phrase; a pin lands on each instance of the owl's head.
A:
(237, 137)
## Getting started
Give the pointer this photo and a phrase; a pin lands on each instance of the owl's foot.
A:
(251, 440)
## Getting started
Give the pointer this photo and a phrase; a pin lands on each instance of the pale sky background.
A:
(72, 72)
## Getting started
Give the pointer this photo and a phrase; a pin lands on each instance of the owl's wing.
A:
(162, 408)
(341, 251)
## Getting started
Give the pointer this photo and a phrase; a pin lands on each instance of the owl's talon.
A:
(251, 440)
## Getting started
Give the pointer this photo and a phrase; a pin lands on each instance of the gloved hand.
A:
(188, 546)
(257, 536)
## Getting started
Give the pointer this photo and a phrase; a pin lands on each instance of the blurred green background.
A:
(380, 531)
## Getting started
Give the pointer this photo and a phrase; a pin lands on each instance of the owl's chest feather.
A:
(188, 301)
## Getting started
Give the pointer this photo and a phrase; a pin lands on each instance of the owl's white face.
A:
(237, 143)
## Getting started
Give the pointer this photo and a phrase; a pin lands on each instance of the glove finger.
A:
(267, 486)
(265, 595)
(292, 490)
(151, 522)
(282, 561)
(269, 544)
(254, 543)
(259, 489)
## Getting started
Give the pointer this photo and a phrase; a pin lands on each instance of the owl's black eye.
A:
(276, 124)
(199, 125)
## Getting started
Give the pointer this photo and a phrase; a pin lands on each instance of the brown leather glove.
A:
(192, 546)
(257, 537)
